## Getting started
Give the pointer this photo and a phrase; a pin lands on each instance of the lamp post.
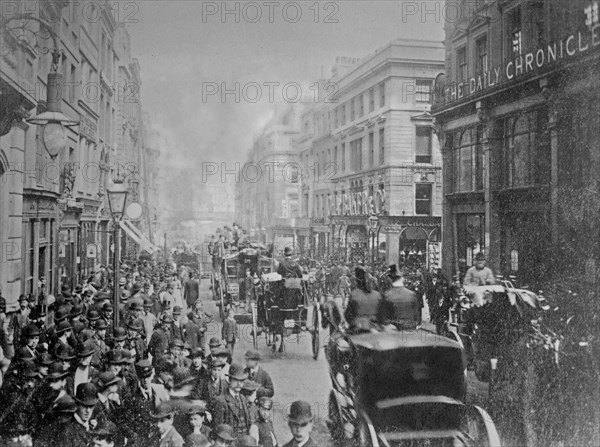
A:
(373, 222)
(117, 198)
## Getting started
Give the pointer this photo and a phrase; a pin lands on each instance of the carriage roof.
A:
(388, 341)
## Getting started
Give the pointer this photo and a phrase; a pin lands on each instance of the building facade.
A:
(374, 175)
(518, 118)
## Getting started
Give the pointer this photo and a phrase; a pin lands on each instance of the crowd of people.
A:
(75, 377)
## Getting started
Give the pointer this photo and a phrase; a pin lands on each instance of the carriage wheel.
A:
(254, 326)
(315, 332)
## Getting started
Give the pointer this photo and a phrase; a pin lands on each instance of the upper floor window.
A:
(371, 100)
(591, 13)
(514, 32)
(461, 64)
(343, 157)
(481, 54)
(371, 149)
(468, 161)
(343, 114)
(423, 146)
(423, 90)
(352, 110)
(423, 198)
(381, 146)
(335, 118)
(361, 106)
(382, 94)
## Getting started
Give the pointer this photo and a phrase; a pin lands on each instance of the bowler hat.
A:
(23, 298)
(166, 318)
(135, 325)
(65, 353)
(107, 307)
(247, 441)
(102, 296)
(115, 357)
(480, 257)
(300, 413)
(127, 357)
(144, 368)
(224, 431)
(236, 371)
(31, 331)
(86, 394)
(147, 302)
(135, 289)
(182, 376)
(265, 402)
(64, 404)
(221, 352)
(135, 306)
(78, 288)
(101, 324)
(93, 315)
(176, 343)
(29, 369)
(60, 315)
(197, 352)
(287, 251)
(122, 280)
(214, 342)
(216, 362)
(56, 371)
(44, 359)
(162, 411)
(119, 334)
(86, 348)
(252, 354)
(177, 310)
(125, 295)
(107, 379)
(76, 310)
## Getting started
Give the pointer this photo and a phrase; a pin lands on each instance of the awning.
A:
(139, 237)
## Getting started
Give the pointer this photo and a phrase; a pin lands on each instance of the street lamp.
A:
(20, 28)
(117, 199)
(373, 222)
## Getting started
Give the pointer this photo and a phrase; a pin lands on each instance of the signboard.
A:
(529, 63)
(357, 204)
(434, 255)
(91, 251)
(87, 127)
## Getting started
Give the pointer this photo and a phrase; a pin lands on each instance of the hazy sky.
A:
(186, 48)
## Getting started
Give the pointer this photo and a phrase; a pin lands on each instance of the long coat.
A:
(232, 411)
(191, 291)
(159, 344)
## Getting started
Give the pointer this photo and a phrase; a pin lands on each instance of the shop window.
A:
(423, 90)
(468, 160)
(514, 260)
(527, 151)
(461, 64)
(423, 198)
(470, 232)
(423, 146)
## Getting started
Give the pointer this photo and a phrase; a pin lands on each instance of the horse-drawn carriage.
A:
(270, 304)
(486, 319)
(399, 388)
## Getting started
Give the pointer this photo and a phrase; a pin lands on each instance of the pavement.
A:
(297, 376)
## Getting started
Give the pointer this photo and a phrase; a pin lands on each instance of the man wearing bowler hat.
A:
(222, 436)
(160, 340)
(259, 375)
(232, 407)
(300, 421)
(163, 417)
(77, 429)
(479, 274)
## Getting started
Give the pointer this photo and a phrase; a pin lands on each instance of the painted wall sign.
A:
(528, 63)
(357, 204)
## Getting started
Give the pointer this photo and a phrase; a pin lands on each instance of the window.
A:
(343, 114)
(381, 146)
(361, 105)
(461, 64)
(591, 14)
(481, 55)
(470, 232)
(371, 149)
(527, 149)
(343, 157)
(423, 198)
(381, 94)
(468, 160)
(423, 93)
(538, 25)
(352, 110)
(356, 154)
(71, 86)
(335, 118)
(371, 100)
(335, 157)
(423, 146)
(514, 32)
